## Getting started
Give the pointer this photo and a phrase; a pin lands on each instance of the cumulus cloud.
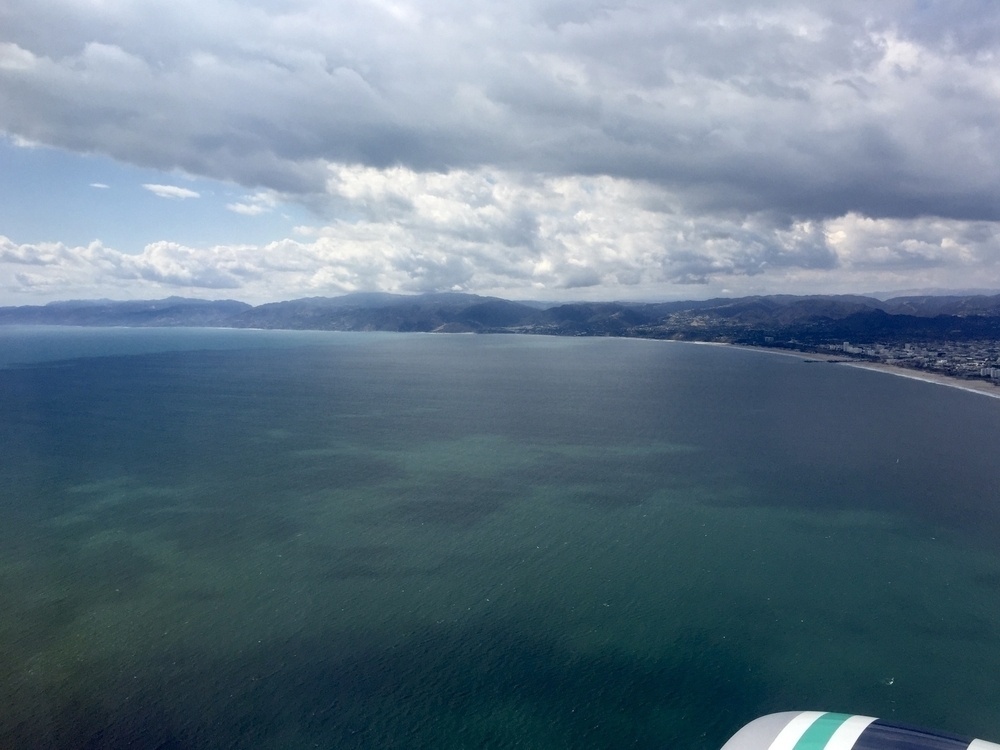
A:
(171, 191)
(557, 237)
(540, 144)
(572, 232)
(44, 267)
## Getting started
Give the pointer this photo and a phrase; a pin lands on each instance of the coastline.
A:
(972, 386)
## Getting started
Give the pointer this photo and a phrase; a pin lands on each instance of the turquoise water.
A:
(214, 539)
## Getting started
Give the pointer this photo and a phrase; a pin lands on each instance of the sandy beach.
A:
(973, 386)
(981, 387)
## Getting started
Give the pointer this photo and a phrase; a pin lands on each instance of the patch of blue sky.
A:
(52, 195)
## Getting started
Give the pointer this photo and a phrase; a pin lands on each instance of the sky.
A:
(532, 149)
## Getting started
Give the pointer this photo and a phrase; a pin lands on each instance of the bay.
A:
(293, 539)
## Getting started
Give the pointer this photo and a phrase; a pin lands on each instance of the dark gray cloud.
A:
(812, 108)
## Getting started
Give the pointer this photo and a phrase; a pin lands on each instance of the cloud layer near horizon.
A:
(548, 238)
(538, 145)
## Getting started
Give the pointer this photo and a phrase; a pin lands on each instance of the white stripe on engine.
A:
(848, 732)
(793, 731)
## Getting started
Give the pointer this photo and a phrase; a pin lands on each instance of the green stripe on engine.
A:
(820, 732)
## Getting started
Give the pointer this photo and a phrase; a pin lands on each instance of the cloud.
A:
(554, 238)
(13, 57)
(171, 191)
(812, 109)
(541, 145)
(168, 264)
(159, 267)
(99, 185)
(247, 209)
(254, 205)
(924, 243)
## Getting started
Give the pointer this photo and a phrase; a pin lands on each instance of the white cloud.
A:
(555, 238)
(13, 57)
(171, 191)
(247, 209)
(925, 243)
(254, 205)
(99, 185)
(168, 264)
(601, 148)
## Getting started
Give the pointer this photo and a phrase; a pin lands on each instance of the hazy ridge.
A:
(815, 319)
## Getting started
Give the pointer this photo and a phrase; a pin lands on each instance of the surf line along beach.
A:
(973, 386)
(982, 387)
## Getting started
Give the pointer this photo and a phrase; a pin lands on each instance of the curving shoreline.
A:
(972, 386)
(983, 388)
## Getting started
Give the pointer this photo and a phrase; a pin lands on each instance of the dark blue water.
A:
(214, 539)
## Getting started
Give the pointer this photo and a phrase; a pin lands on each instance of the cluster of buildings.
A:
(978, 360)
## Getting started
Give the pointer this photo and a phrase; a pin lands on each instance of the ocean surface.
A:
(250, 539)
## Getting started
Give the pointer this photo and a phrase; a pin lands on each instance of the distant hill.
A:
(173, 311)
(813, 318)
(427, 312)
(946, 305)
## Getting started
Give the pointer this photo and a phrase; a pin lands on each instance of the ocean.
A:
(235, 539)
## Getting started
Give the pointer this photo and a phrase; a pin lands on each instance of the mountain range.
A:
(757, 319)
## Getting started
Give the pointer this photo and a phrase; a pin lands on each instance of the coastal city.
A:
(966, 360)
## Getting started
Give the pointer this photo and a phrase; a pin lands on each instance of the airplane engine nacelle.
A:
(816, 730)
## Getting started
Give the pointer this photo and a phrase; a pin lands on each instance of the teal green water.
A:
(220, 539)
